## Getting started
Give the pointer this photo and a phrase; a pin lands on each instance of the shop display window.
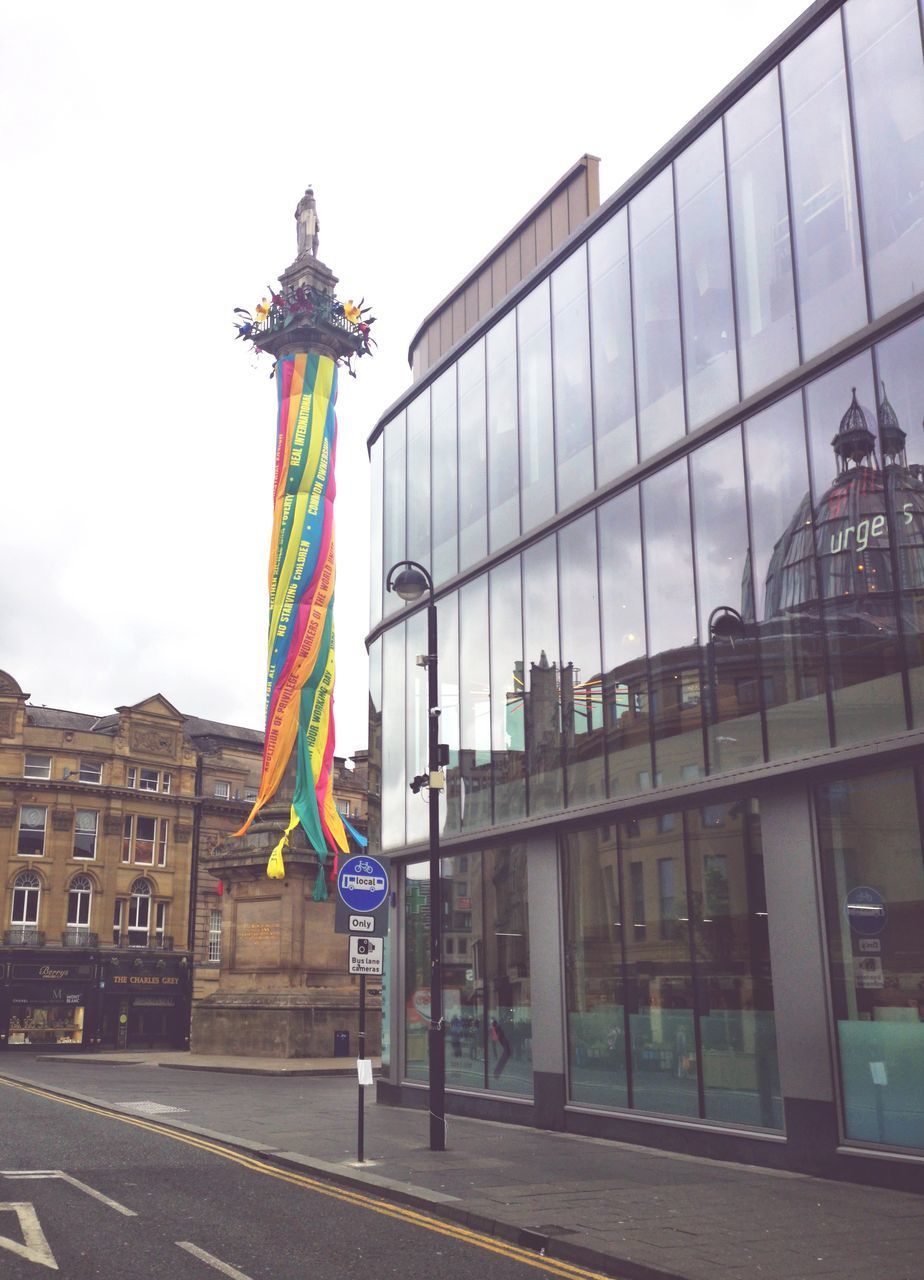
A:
(47, 1024)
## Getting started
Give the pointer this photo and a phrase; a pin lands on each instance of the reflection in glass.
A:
(887, 73)
(473, 516)
(657, 316)
(786, 582)
(581, 683)
(507, 971)
(705, 278)
(873, 876)
(374, 788)
(625, 672)
(537, 473)
(417, 489)
(760, 236)
(674, 657)
(543, 705)
(723, 573)
(463, 974)
(448, 647)
(832, 298)
(474, 706)
(900, 411)
(571, 353)
(503, 464)
(376, 568)
(595, 995)
(416, 969)
(394, 781)
(741, 1081)
(659, 976)
(444, 477)
(394, 535)
(508, 738)
(854, 555)
(611, 335)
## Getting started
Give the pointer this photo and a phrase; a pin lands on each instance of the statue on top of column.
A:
(306, 218)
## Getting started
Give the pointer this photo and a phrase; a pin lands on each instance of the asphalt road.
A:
(116, 1197)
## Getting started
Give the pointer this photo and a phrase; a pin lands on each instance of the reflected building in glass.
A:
(665, 459)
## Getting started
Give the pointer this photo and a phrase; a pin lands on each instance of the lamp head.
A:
(410, 583)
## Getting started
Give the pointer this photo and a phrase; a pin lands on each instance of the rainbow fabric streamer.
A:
(300, 670)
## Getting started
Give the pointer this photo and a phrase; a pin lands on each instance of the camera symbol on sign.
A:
(363, 946)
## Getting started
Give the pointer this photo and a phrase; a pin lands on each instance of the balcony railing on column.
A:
(23, 936)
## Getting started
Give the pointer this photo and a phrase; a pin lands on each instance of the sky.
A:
(152, 158)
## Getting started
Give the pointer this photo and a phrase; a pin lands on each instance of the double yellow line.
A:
(403, 1213)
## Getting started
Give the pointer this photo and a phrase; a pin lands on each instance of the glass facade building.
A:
(671, 493)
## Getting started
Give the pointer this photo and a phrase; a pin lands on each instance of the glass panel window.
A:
(145, 835)
(38, 767)
(537, 474)
(163, 827)
(571, 379)
(832, 298)
(625, 671)
(394, 777)
(148, 780)
(395, 502)
(377, 568)
(595, 992)
(507, 971)
(705, 278)
(854, 556)
(760, 236)
(873, 876)
(672, 638)
(32, 820)
(887, 73)
(139, 913)
(657, 315)
(611, 338)
(131, 776)
(900, 410)
(741, 1081)
(27, 890)
(474, 706)
(508, 703)
(786, 582)
(726, 609)
(417, 970)
(659, 975)
(542, 677)
(160, 921)
(444, 480)
(581, 680)
(374, 786)
(503, 463)
(416, 733)
(214, 938)
(417, 491)
(86, 825)
(473, 514)
(79, 898)
(165, 783)
(90, 771)
(463, 976)
(448, 646)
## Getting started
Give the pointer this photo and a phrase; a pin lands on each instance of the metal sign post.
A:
(361, 1115)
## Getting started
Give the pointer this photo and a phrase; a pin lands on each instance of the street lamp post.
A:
(410, 580)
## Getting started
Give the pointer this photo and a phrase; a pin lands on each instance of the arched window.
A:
(79, 899)
(139, 913)
(27, 890)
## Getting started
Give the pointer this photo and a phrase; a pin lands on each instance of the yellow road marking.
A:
(404, 1213)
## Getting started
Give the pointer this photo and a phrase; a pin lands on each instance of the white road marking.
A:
(223, 1267)
(38, 1175)
(36, 1247)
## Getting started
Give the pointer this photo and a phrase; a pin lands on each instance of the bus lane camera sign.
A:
(362, 896)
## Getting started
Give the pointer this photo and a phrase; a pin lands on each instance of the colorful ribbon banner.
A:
(300, 671)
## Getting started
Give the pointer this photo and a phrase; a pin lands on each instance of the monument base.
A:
(311, 1023)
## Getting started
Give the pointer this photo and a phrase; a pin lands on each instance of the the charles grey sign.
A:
(362, 898)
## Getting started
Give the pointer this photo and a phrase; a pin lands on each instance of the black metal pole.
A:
(361, 1115)
(435, 1037)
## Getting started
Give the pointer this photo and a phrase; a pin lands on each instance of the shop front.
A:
(144, 1003)
(47, 1003)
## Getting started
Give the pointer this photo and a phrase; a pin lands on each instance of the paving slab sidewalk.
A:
(631, 1212)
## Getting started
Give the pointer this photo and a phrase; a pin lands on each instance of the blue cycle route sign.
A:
(866, 910)
(362, 883)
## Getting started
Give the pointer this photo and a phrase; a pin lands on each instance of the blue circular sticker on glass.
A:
(865, 908)
(362, 883)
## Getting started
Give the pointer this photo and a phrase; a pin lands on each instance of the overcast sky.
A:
(152, 158)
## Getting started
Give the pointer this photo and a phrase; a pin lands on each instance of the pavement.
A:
(631, 1212)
